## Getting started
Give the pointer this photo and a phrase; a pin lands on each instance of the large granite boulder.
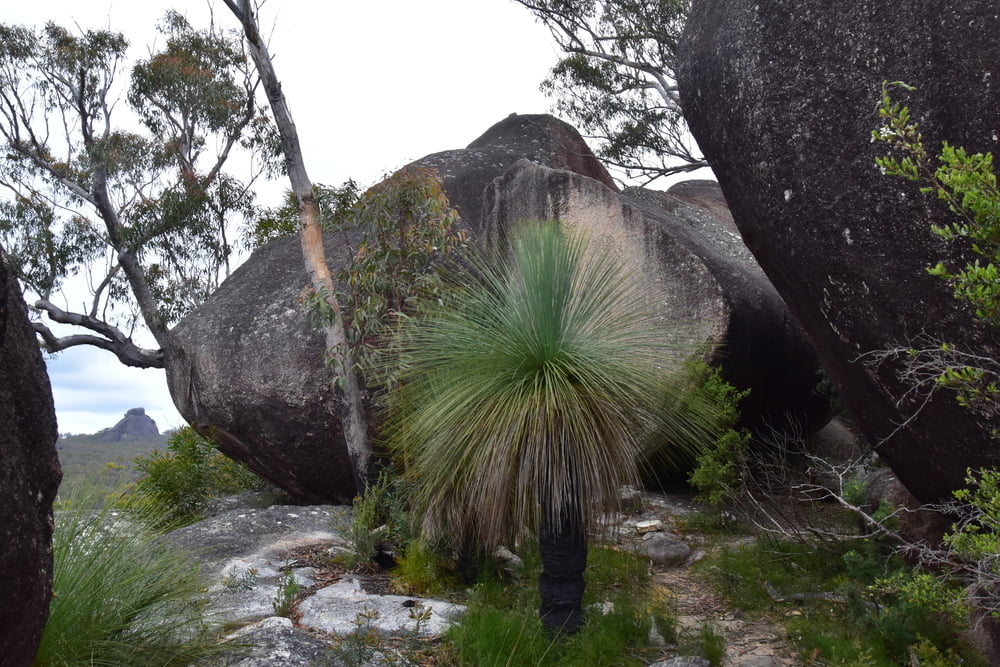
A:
(247, 367)
(702, 282)
(540, 138)
(781, 97)
(29, 479)
(135, 424)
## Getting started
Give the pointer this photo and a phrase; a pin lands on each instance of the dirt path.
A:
(749, 642)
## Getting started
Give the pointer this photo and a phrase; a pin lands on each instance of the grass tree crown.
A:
(529, 396)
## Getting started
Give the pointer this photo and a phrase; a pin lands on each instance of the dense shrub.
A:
(181, 481)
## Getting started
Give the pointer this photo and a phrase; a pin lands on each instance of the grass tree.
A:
(527, 400)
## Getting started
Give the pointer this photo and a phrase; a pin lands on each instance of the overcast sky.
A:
(372, 86)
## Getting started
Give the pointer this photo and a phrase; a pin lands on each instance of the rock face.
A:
(247, 366)
(781, 97)
(29, 478)
(702, 282)
(542, 139)
(135, 424)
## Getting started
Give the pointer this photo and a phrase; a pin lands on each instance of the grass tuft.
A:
(121, 597)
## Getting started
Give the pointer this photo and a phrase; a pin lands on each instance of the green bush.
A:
(178, 483)
(379, 518)
(853, 607)
(120, 596)
(720, 465)
(424, 569)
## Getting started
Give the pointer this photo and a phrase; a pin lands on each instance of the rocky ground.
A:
(250, 556)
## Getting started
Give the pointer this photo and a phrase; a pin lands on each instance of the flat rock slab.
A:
(273, 642)
(244, 532)
(243, 554)
(345, 607)
(246, 558)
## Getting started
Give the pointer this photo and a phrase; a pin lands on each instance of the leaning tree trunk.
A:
(346, 388)
(563, 548)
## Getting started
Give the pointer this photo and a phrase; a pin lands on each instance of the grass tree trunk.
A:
(563, 548)
(346, 387)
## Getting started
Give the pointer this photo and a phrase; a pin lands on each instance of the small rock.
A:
(272, 642)
(683, 661)
(665, 549)
(649, 526)
(508, 559)
(602, 608)
(696, 556)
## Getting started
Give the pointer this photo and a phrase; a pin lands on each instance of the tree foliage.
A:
(144, 214)
(967, 184)
(396, 235)
(407, 226)
(616, 80)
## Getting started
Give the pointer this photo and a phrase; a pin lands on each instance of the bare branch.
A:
(110, 338)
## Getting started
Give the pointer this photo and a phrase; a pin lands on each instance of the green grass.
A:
(502, 627)
(859, 623)
(120, 596)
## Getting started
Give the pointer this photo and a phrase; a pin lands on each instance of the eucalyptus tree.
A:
(616, 80)
(527, 400)
(138, 204)
(346, 385)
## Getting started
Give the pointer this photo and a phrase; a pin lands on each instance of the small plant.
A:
(424, 570)
(288, 588)
(120, 595)
(178, 483)
(240, 581)
(360, 646)
(379, 518)
(711, 645)
(419, 615)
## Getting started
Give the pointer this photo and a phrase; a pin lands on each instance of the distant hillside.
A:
(85, 458)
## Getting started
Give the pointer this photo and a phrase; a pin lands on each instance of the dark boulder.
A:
(246, 369)
(29, 479)
(135, 424)
(781, 96)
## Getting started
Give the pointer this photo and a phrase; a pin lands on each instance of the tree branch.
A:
(111, 338)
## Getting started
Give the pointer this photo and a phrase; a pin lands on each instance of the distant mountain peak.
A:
(136, 423)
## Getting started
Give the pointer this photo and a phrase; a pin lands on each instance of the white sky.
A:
(372, 86)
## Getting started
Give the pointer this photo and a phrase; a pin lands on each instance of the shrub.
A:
(379, 518)
(855, 607)
(177, 484)
(720, 465)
